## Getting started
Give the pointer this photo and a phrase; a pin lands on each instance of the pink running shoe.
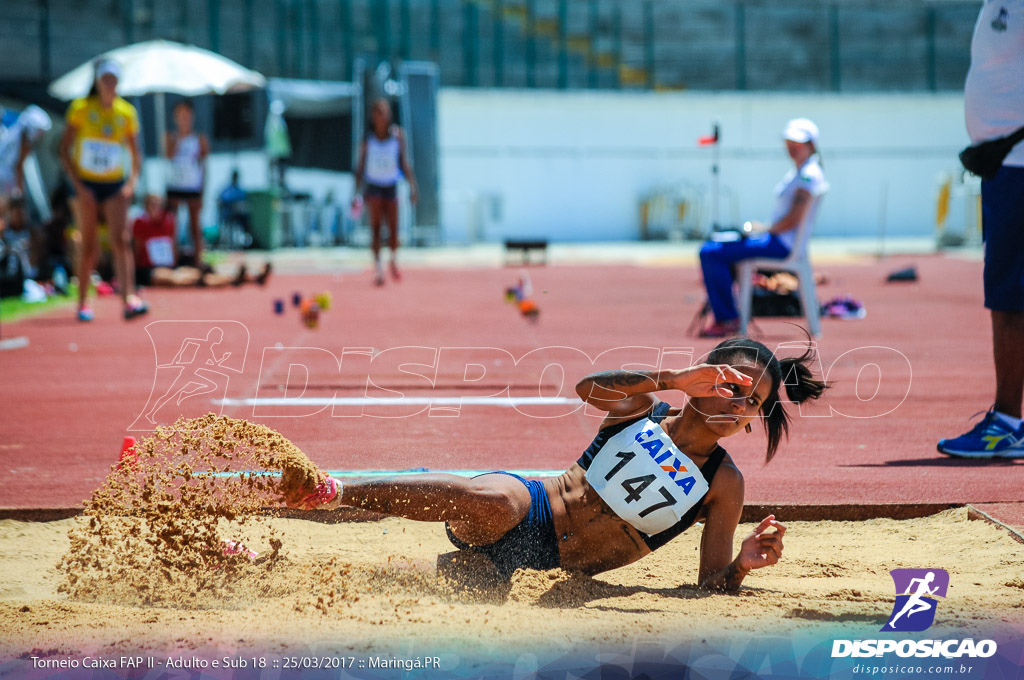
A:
(327, 495)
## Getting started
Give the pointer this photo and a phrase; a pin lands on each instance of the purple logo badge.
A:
(916, 590)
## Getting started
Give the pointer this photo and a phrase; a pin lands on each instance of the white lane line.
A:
(398, 401)
(346, 474)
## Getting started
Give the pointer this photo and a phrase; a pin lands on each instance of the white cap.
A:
(108, 67)
(801, 130)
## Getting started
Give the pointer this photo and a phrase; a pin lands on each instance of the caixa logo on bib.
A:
(916, 590)
(914, 611)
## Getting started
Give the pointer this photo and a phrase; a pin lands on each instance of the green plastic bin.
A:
(265, 218)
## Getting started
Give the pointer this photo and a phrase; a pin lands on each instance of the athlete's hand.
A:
(711, 380)
(414, 194)
(762, 548)
(128, 189)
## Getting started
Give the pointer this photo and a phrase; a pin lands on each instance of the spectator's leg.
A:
(392, 214)
(116, 210)
(1007, 341)
(88, 223)
(716, 260)
(195, 205)
(1003, 220)
(376, 204)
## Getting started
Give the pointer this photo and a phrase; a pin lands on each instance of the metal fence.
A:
(778, 45)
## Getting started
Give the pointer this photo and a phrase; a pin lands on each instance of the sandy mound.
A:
(167, 525)
(145, 569)
(371, 586)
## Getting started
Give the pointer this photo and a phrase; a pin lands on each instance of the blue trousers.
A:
(1002, 209)
(716, 260)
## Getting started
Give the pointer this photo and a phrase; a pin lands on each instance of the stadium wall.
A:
(572, 166)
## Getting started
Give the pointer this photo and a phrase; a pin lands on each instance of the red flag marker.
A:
(128, 453)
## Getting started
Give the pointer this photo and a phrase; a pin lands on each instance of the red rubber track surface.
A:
(913, 371)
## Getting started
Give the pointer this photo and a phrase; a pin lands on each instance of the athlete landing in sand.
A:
(650, 473)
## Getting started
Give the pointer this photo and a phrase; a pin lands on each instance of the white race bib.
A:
(160, 251)
(99, 157)
(186, 174)
(382, 166)
(645, 479)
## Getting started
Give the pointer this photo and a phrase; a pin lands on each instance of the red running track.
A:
(913, 371)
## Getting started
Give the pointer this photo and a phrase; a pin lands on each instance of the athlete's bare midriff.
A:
(591, 538)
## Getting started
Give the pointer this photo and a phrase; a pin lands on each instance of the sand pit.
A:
(368, 586)
(145, 570)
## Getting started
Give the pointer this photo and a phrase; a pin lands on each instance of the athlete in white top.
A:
(382, 160)
(796, 202)
(187, 151)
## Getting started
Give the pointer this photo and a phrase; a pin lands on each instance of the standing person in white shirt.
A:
(382, 160)
(796, 201)
(187, 150)
(994, 107)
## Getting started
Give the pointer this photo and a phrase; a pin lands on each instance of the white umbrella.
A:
(158, 67)
(162, 66)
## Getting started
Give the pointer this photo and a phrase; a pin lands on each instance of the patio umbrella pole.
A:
(160, 117)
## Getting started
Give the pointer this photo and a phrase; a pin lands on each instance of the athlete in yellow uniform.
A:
(100, 128)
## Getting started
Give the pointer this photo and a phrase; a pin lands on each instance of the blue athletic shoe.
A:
(993, 437)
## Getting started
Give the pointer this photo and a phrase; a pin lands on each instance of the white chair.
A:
(797, 262)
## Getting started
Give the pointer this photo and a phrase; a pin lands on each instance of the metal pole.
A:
(563, 44)
(715, 155)
(160, 118)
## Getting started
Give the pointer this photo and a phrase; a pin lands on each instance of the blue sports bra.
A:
(708, 470)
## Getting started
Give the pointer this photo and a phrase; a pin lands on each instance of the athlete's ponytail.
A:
(794, 373)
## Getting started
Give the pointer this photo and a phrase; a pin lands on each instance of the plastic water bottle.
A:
(60, 280)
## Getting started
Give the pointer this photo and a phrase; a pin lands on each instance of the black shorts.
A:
(388, 193)
(101, 191)
(143, 276)
(531, 544)
(175, 195)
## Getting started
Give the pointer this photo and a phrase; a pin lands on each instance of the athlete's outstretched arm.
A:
(622, 393)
